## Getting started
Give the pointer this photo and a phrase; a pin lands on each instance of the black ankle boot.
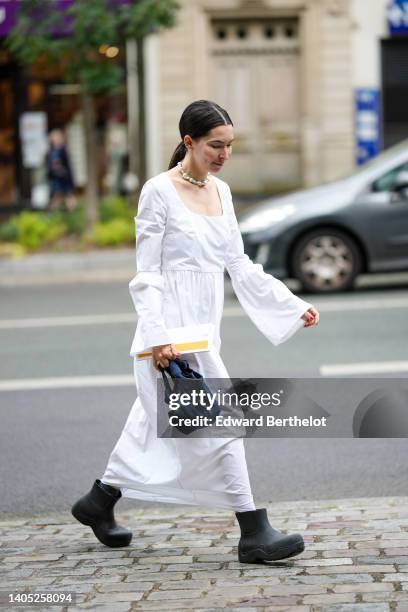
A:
(95, 509)
(261, 542)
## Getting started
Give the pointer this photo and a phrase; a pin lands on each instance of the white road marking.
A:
(104, 319)
(375, 367)
(339, 306)
(230, 311)
(125, 380)
(67, 382)
(343, 306)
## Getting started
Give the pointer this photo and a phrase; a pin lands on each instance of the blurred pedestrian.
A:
(59, 173)
(187, 234)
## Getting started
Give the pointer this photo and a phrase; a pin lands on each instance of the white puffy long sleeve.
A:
(272, 307)
(147, 286)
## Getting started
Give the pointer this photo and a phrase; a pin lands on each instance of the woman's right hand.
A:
(161, 355)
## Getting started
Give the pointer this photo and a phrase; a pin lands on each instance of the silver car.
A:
(325, 236)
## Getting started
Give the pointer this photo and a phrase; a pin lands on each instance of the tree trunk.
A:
(133, 117)
(91, 190)
(142, 113)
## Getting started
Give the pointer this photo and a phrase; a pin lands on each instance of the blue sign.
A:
(367, 124)
(397, 15)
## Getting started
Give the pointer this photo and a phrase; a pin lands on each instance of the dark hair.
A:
(197, 120)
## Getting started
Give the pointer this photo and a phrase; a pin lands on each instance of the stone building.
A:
(282, 69)
(289, 72)
(314, 87)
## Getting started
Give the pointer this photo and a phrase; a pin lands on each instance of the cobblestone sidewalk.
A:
(356, 559)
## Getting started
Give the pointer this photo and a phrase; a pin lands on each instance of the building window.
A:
(269, 32)
(253, 35)
(242, 32)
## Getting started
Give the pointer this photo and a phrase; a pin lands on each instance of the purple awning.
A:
(8, 12)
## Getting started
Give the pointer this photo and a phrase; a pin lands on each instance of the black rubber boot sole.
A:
(257, 555)
(111, 541)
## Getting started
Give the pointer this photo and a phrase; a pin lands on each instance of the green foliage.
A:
(92, 23)
(113, 233)
(9, 230)
(115, 207)
(74, 221)
(101, 77)
(142, 17)
(35, 230)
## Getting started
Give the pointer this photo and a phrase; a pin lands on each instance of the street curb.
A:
(43, 268)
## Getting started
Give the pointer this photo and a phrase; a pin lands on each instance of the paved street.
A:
(65, 391)
(355, 560)
(67, 388)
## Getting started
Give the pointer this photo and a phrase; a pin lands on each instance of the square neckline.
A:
(189, 209)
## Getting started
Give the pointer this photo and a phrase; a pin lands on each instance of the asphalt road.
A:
(66, 389)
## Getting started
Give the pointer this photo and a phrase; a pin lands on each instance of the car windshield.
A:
(380, 159)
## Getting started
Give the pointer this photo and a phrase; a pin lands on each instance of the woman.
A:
(187, 234)
(59, 172)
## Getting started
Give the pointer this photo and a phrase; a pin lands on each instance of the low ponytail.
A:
(196, 121)
(178, 155)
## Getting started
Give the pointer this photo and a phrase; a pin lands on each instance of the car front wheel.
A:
(326, 260)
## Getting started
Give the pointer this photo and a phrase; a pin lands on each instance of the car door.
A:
(383, 221)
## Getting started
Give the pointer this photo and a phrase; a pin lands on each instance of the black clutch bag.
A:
(178, 379)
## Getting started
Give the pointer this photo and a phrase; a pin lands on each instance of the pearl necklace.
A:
(192, 180)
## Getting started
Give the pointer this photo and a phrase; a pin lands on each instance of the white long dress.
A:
(181, 258)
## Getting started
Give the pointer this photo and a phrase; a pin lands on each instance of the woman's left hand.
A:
(311, 317)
